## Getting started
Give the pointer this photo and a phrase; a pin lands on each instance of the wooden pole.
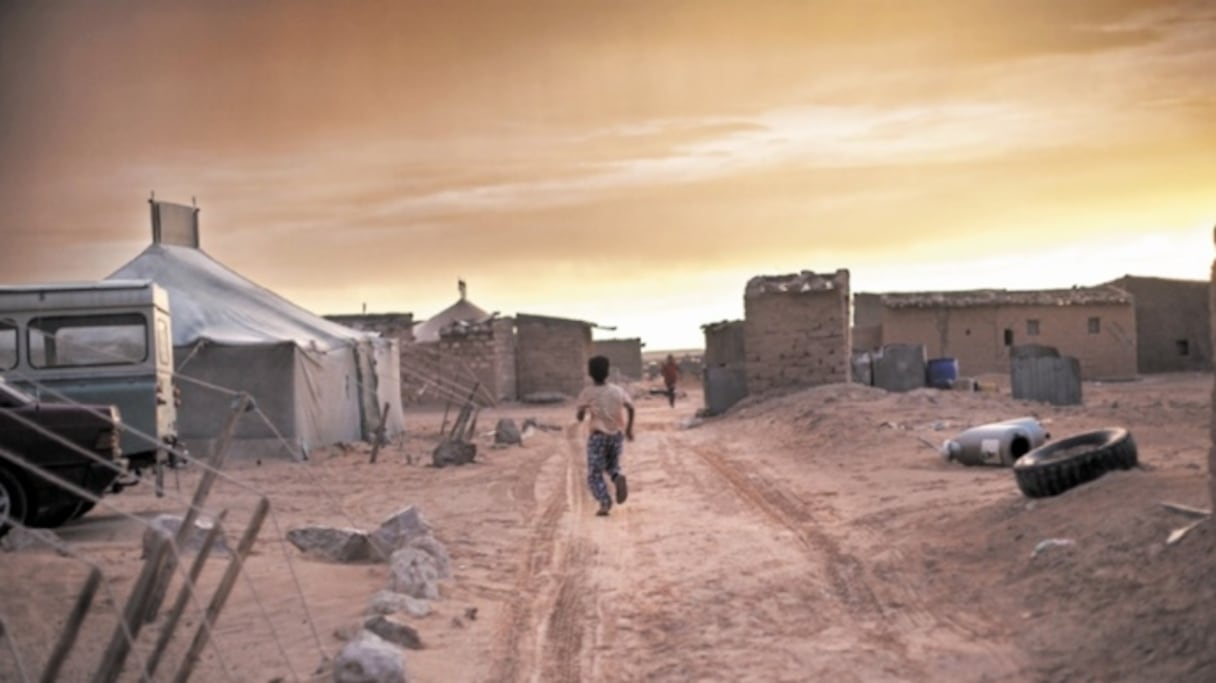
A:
(462, 420)
(239, 407)
(380, 433)
(472, 430)
(1197, 513)
(443, 429)
(71, 629)
(149, 590)
(183, 596)
(131, 619)
(221, 592)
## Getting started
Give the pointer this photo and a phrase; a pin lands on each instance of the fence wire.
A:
(83, 494)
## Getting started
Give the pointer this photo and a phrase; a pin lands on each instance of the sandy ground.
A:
(808, 536)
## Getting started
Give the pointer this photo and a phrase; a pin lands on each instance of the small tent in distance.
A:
(314, 382)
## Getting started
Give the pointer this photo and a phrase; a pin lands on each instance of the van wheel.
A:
(1056, 467)
(83, 509)
(57, 516)
(13, 501)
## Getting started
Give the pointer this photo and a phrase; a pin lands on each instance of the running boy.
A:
(607, 405)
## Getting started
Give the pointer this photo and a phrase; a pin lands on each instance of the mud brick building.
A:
(725, 360)
(867, 321)
(485, 350)
(724, 344)
(551, 355)
(1173, 325)
(796, 330)
(462, 311)
(506, 359)
(624, 355)
(1096, 325)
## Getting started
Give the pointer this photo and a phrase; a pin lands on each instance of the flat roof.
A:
(1076, 296)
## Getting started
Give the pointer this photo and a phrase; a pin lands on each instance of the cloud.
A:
(386, 146)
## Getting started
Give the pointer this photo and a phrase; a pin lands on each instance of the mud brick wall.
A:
(797, 335)
(724, 344)
(504, 353)
(867, 310)
(624, 355)
(724, 379)
(477, 351)
(975, 335)
(551, 354)
(1173, 326)
(867, 338)
(420, 364)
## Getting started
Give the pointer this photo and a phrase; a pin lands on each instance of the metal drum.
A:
(998, 443)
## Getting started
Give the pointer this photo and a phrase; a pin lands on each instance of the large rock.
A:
(506, 433)
(388, 602)
(166, 526)
(18, 539)
(406, 528)
(332, 544)
(369, 659)
(439, 554)
(394, 631)
(414, 571)
(398, 530)
(453, 453)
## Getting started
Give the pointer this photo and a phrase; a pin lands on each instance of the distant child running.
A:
(608, 405)
(671, 373)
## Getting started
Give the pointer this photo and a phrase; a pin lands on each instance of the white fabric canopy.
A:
(315, 382)
(212, 302)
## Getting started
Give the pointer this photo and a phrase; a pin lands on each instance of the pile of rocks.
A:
(417, 563)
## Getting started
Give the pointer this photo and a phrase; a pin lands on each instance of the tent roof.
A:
(461, 311)
(209, 301)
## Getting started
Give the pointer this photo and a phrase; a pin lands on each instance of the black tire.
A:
(14, 503)
(83, 508)
(56, 516)
(1061, 465)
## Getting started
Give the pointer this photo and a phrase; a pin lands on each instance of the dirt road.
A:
(811, 536)
(720, 568)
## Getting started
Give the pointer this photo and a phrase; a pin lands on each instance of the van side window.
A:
(8, 344)
(79, 340)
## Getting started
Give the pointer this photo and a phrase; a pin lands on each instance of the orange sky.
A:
(631, 163)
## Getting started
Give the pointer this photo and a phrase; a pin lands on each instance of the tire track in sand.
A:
(542, 635)
(844, 572)
(896, 603)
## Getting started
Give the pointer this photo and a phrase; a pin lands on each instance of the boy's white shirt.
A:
(605, 406)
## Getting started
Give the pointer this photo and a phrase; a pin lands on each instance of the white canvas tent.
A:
(463, 311)
(314, 382)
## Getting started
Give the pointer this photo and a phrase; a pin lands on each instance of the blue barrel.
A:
(942, 372)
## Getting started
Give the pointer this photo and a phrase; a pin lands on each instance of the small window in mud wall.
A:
(1008, 337)
(1032, 328)
(1095, 325)
(83, 340)
(8, 344)
(1183, 346)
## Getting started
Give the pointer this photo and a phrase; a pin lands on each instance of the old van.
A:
(106, 342)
